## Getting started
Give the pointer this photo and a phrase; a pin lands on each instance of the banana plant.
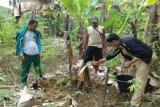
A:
(150, 2)
(77, 9)
(152, 32)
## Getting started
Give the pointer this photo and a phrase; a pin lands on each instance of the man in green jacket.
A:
(29, 50)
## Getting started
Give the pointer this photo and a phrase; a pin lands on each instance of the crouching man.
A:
(138, 56)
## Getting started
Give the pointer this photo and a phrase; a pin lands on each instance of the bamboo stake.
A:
(105, 89)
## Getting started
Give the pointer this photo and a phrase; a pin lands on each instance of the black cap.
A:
(94, 19)
(112, 37)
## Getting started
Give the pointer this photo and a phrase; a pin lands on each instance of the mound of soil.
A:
(91, 97)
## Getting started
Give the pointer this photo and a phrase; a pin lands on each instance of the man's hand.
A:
(127, 64)
(101, 61)
(40, 56)
(21, 57)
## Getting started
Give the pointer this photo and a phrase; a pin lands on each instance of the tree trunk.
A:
(51, 31)
(152, 34)
(134, 22)
(57, 25)
(152, 30)
(158, 20)
(134, 28)
(80, 37)
(103, 13)
(72, 72)
(150, 24)
(32, 15)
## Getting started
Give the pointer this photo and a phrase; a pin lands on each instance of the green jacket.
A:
(19, 40)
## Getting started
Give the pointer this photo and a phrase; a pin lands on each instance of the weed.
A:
(135, 83)
(69, 96)
(3, 77)
(153, 101)
(4, 93)
(61, 81)
(126, 103)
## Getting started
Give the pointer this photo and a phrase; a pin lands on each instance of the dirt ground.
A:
(55, 92)
(89, 97)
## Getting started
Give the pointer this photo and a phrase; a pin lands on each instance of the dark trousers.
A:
(92, 53)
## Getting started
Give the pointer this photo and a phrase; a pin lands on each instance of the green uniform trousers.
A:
(26, 65)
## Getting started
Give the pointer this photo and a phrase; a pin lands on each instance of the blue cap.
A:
(112, 37)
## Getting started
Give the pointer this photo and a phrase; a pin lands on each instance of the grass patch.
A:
(5, 93)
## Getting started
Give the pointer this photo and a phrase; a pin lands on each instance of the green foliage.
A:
(8, 28)
(115, 20)
(109, 5)
(114, 62)
(132, 14)
(5, 93)
(7, 33)
(69, 96)
(155, 66)
(3, 77)
(126, 103)
(117, 2)
(78, 93)
(124, 24)
(135, 83)
(156, 46)
(91, 7)
(76, 7)
(149, 2)
(112, 75)
(153, 101)
(61, 81)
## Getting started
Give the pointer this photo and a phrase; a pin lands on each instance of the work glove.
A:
(101, 61)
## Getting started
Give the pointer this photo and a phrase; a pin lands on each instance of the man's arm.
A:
(109, 57)
(114, 54)
(129, 63)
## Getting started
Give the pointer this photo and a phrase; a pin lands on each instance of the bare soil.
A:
(89, 97)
